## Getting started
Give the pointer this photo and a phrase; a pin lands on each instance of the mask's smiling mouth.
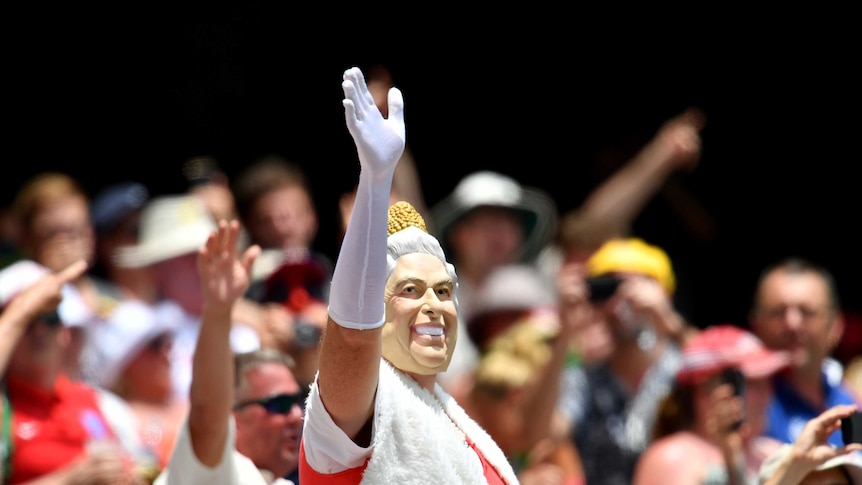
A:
(429, 330)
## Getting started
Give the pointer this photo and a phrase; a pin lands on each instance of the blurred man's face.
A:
(794, 313)
(628, 311)
(284, 218)
(62, 234)
(148, 373)
(39, 353)
(177, 279)
(270, 439)
(488, 237)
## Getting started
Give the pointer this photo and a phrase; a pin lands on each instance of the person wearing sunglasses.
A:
(376, 413)
(54, 429)
(245, 418)
(133, 360)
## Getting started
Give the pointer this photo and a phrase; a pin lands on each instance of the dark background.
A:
(130, 93)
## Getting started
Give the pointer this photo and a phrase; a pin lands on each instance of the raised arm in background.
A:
(808, 456)
(610, 209)
(43, 296)
(225, 279)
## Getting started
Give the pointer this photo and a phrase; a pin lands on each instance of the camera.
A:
(307, 334)
(603, 287)
(736, 379)
(851, 428)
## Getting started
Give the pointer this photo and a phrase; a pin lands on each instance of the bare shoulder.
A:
(679, 455)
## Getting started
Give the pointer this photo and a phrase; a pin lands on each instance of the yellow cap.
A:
(633, 255)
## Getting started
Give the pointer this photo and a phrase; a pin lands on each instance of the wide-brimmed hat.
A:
(116, 341)
(724, 346)
(170, 226)
(517, 290)
(492, 189)
(514, 287)
(22, 274)
(852, 463)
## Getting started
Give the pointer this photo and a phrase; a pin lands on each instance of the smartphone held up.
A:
(851, 428)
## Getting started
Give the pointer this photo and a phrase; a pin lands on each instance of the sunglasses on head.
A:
(277, 404)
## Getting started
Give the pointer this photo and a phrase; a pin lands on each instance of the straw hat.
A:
(170, 226)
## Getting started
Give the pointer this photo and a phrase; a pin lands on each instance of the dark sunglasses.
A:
(50, 319)
(162, 342)
(277, 404)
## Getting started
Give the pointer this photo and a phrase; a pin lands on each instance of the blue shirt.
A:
(788, 411)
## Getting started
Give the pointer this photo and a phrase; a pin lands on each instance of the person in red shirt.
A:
(53, 426)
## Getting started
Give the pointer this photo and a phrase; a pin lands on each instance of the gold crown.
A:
(403, 215)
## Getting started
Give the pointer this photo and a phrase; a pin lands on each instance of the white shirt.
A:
(184, 468)
(415, 439)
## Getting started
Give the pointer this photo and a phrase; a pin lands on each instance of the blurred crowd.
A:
(573, 352)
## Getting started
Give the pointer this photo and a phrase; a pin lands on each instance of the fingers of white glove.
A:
(349, 114)
(362, 89)
(396, 105)
(351, 73)
(349, 91)
(355, 89)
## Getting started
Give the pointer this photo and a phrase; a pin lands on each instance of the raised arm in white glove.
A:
(351, 348)
(357, 294)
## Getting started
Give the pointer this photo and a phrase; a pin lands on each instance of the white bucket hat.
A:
(24, 273)
(492, 189)
(170, 226)
(119, 338)
(513, 287)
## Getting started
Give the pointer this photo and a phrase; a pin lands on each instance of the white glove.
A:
(379, 141)
(359, 278)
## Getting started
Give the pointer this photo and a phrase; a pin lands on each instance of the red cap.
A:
(724, 346)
